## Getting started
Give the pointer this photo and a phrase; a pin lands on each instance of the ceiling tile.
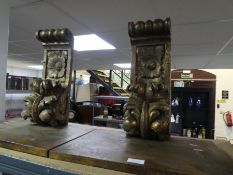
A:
(192, 11)
(195, 49)
(228, 49)
(208, 33)
(221, 62)
(199, 29)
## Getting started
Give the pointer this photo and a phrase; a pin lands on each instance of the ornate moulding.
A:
(49, 105)
(148, 109)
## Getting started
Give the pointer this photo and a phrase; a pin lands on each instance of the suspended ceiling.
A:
(202, 31)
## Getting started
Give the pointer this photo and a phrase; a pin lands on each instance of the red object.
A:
(227, 117)
(104, 92)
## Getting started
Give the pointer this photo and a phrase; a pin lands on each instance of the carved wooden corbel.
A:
(148, 108)
(49, 105)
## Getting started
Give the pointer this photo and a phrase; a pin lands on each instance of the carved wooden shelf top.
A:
(109, 148)
(21, 135)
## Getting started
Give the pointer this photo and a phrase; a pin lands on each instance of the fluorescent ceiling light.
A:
(123, 65)
(186, 71)
(90, 42)
(39, 67)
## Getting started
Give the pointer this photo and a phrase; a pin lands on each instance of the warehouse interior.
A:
(201, 65)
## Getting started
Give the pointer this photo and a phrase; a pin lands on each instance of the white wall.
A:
(4, 33)
(23, 72)
(15, 101)
(224, 81)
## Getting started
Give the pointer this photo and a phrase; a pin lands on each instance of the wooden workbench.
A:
(110, 149)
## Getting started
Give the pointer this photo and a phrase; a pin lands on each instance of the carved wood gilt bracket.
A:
(49, 105)
(148, 109)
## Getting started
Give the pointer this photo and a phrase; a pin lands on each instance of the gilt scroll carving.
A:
(49, 105)
(148, 108)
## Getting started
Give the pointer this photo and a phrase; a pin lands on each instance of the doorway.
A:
(193, 103)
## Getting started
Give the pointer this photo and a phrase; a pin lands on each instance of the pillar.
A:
(4, 33)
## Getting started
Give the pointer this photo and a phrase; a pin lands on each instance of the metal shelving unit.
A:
(111, 97)
(14, 166)
(19, 91)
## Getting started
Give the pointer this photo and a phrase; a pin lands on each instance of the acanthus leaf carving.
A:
(148, 108)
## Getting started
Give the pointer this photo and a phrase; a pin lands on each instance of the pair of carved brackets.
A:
(148, 109)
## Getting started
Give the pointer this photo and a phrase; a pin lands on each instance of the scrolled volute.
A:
(153, 28)
(54, 36)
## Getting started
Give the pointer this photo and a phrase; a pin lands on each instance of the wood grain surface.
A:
(21, 135)
(110, 149)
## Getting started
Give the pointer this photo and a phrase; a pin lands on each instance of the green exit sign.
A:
(186, 75)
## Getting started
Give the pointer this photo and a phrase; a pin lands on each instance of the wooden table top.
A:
(110, 149)
(21, 135)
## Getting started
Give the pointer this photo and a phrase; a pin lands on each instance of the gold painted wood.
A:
(148, 108)
(49, 105)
